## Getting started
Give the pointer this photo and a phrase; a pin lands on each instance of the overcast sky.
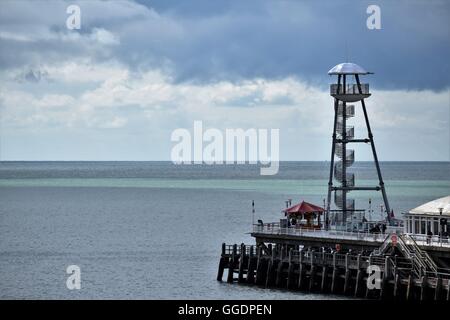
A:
(137, 70)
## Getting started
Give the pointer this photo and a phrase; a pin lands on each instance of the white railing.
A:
(434, 241)
(349, 89)
(274, 228)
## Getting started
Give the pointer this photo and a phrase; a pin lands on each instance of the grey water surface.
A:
(153, 230)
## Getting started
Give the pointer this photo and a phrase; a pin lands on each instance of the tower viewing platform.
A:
(349, 92)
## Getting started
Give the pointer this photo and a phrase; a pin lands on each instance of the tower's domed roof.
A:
(433, 207)
(347, 68)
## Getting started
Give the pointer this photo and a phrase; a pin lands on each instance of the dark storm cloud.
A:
(272, 39)
(204, 41)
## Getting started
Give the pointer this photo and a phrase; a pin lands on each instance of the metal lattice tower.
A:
(344, 93)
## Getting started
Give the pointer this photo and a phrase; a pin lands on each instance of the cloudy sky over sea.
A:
(116, 88)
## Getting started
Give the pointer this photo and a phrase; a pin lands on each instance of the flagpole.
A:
(253, 213)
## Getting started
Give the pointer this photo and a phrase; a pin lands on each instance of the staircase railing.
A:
(427, 261)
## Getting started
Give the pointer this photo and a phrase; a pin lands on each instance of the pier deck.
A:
(438, 247)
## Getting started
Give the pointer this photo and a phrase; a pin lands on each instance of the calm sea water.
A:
(154, 230)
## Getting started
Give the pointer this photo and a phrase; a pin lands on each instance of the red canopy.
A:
(304, 207)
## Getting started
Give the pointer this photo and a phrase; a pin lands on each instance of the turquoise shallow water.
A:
(302, 187)
(154, 230)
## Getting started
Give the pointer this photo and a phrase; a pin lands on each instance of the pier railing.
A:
(235, 249)
(434, 241)
(274, 228)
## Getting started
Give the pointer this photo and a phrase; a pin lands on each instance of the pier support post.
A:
(270, 269)
(384, 282)
(368, 291)
(409, 288)
(222, 263)
(438, 289)
(231, 264)
(448, 291)
(396, 285)
(323, 284)
(359, 282)
(359, 275)
(260, 265)
(312, 271)
(423, 288)
(251, 267)
(301, 271)
(279, 278)
(241, 264)
(384, 287)
(335, 275)
(290, 273)
(347, 274)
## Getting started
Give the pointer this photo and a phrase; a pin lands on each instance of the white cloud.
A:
(151, 102)
(104, 37)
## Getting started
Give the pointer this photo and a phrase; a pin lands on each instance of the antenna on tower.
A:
(346, 51)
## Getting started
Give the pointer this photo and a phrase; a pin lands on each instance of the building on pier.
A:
(430, 220)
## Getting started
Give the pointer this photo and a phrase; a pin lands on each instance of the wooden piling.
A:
(301, 271)
(448, 290)
(231, 264)
(423, 288)
(323, 283)
(270, 269)
(335, 275)
(359, 282)
(241, 264)
(279, 275)
(312, 271)
(260, 267)
(396, 285)
(368, 291)
(222, 263)
(290, 273)
(347, 275)
(221, 268)
(251, 267)
(438, 289)
(409, 288)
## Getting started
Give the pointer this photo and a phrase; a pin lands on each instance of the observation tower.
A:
(348, 89)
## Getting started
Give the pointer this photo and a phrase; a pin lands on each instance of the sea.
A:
(153, 230)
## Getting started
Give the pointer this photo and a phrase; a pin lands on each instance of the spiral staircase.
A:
(349, 178)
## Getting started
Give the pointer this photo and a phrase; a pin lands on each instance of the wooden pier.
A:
(295, 268)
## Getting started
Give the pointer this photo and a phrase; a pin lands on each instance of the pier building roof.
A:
(434, 207)
(304, 207)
